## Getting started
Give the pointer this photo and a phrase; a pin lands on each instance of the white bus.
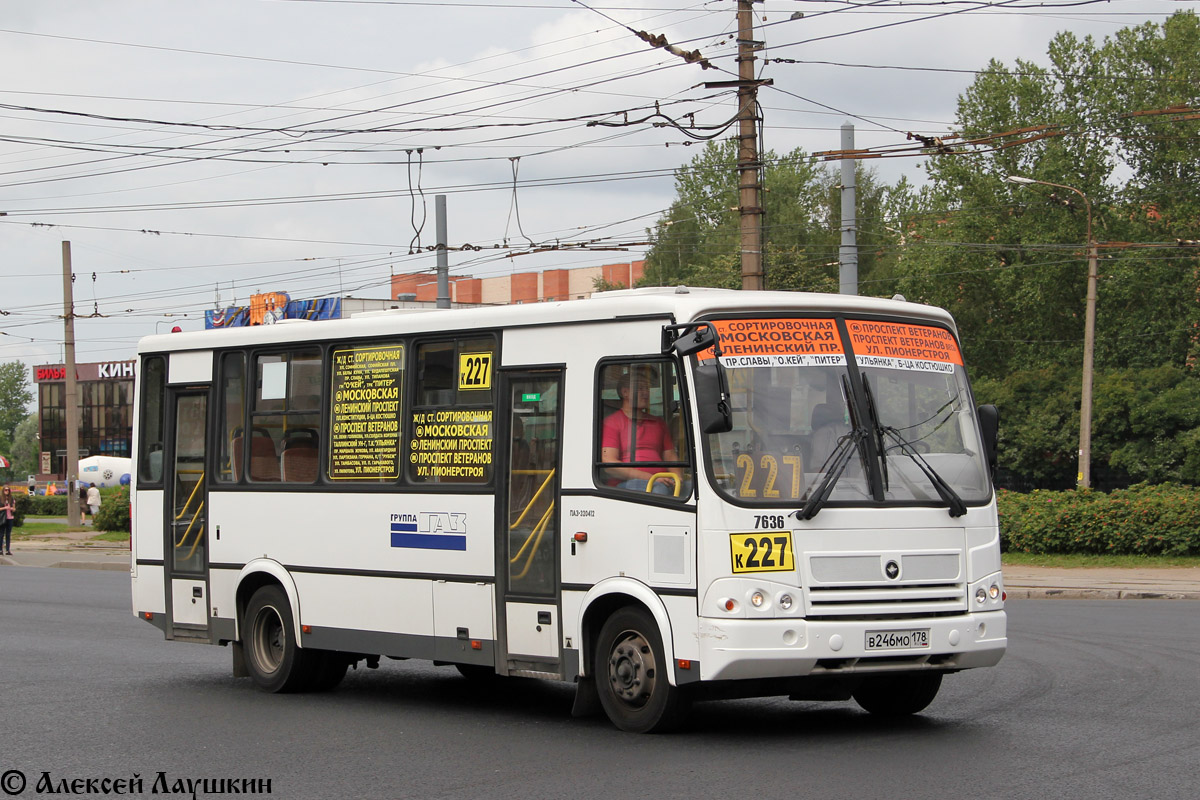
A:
(661, 495)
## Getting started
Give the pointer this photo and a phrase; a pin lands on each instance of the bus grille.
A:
(906, 600)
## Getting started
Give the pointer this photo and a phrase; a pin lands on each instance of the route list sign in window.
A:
(364, 441)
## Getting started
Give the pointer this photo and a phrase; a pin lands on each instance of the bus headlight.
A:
(993, 591)
(981, 595)
(785, 602)
(756, 599)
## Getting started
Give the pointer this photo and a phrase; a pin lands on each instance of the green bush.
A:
(54, 505)
(114, 510)
(1146, 424)
(1140, 520)
(22, 509)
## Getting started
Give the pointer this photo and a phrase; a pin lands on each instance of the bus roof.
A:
(682, 304)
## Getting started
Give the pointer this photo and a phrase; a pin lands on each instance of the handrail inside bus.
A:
(535, 536)
(195, 515)
(657, 475)
(199, 531)
(549, 476)
(196, 488)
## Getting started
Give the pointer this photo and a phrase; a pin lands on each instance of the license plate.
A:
(761, 551)
(907, 639)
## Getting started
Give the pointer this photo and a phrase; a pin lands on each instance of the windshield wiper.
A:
(944, 490)
(878, 429)
(836, 462)
(838, 459)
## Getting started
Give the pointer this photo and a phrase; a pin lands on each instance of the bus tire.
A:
(632, 677)
(898, 695)
(479, 673)
(273, 659)
(329, 668)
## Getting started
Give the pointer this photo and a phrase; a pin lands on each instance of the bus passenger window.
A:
(286, 417)
(233, 417)
(452, 426)
(150, 449)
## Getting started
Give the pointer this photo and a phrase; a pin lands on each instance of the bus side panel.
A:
(149, 576)
(450, 534)
(356, 580)
(148, 525)
(381, 605)
(149, 594)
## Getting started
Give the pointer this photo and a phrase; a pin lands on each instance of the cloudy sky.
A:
(195, 153)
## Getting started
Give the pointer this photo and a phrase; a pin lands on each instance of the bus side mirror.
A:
(989, 425)
(712, 399)
(712, 389)
(694, 341)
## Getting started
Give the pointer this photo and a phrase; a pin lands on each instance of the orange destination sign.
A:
(897, 345)
(779, 343)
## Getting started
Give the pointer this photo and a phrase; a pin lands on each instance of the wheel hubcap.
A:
(631, 668)
(268, 639)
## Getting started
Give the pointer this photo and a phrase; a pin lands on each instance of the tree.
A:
(697, 242)
(15, 396)
(1010, 262)
(25, 451)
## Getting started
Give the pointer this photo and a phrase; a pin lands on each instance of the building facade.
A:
(521, 287)
(105, 396)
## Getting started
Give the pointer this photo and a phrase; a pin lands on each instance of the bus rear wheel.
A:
(631, 674)
(898, 695)
(274, 660)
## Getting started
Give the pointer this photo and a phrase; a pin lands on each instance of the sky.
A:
(196, 153)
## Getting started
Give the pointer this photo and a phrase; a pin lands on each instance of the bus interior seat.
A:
(828, 425)
(264, 461)
(298, 461)
(235, 455)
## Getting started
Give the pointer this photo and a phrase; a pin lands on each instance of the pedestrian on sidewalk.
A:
(93, 500)
(83, 501)
(8, 513)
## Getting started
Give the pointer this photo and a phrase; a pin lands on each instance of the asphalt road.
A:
(1095, 699)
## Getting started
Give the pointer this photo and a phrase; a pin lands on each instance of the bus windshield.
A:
(799, 388)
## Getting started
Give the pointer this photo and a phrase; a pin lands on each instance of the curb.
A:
(112, 566)
(1097, 594)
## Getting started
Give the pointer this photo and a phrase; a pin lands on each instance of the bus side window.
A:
(640, 432)
(233, 417)
(453, 409)
(150, 445)
(286, 416)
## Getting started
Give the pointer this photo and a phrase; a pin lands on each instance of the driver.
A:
(651, 441)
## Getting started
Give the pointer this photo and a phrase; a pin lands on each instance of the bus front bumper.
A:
(736, 649)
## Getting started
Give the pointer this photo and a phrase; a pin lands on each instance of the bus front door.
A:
(527, 527)
(186, 529)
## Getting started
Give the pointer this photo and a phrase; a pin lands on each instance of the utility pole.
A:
(443, 254)
(848, 253)
(72, 390)
(749, 167)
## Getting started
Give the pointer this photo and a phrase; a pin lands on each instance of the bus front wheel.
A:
(631, 674)
(898, 695)
(273, 659)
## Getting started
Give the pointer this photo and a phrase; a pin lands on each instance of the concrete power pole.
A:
(848, 253)
(443, 254)
(72, 389)
(749, 167)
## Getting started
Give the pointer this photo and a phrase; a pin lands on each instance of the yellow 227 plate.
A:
(761, 551)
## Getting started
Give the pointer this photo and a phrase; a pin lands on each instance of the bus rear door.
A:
(185, 524)
(527, 527)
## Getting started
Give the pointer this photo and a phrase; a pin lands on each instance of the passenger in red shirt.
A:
(633, 426)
